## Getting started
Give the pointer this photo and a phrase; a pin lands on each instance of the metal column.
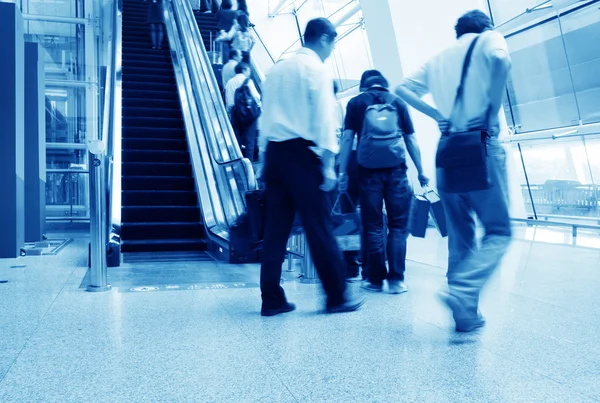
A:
(309, 272)
(98, 247)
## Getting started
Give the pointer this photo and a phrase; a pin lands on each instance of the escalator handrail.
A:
(111, 129)
(209, 198)
(215, 122)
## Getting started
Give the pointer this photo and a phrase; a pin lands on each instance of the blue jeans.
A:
(469, 266)
(392, 186)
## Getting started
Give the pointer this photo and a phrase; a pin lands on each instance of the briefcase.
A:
(419, 216)
(437, 212)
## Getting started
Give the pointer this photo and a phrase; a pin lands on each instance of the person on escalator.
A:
(156, 22)
(228, 72)
(240, 37)
(243, 104)
(226, 20)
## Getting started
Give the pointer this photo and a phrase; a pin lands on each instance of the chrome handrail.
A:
(112, 125)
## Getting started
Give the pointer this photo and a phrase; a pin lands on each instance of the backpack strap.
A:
(246, 81)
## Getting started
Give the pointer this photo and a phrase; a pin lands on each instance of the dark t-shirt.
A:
(357, 107)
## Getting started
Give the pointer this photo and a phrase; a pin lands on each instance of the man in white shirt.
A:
(245, 132)
(228, 72)
(469, 266)
(298, 145)
(242, 73)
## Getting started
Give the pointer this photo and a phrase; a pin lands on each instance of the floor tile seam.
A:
(256, 347)
(39, 322)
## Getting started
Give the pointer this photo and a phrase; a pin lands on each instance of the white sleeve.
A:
(323, 108)
(418, 82)
(494, 44)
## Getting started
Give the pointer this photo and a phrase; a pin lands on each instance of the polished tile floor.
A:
(203, 340)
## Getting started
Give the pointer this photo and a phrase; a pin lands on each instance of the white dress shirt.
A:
(440, 76)
(235, 83)
(228, 71)
(299, 102)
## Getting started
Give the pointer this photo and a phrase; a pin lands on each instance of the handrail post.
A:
(309, 272)
(98, 269)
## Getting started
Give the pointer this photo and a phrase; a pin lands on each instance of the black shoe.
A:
(288, 307)
(348, 306)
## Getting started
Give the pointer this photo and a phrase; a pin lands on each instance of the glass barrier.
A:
(67, 195)
(555, 59)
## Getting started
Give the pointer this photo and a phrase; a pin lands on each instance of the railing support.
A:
(309, 272)
(98, 270)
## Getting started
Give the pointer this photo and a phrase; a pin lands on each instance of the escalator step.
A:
(151, 103)
(143, 111)
(157, 183)
(159, 198)
(161, 230)
(155, 156)
(164, 245)
(153, 132)
(161, 213)
(156, 169)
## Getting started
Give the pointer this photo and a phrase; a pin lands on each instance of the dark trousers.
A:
(246, 137)
(293, 177)
(352, 258)
(392, 186)
(246, 57)
(212, 5)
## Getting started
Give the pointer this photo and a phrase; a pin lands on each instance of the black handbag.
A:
(461, 157)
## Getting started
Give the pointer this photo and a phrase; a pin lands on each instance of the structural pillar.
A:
(35, 144)
(12, 131)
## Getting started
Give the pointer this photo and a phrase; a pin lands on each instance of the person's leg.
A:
(314, 207)
(160, 32)
(153, 35)
(397, 194)
(491, 206)
(249, 140)
(246, 57)
(278, 224)
(371, 202)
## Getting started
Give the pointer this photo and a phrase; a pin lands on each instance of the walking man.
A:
(298, 145)
(469, 266)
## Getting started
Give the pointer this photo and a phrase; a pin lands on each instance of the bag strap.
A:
(337, 209)
(461, 87)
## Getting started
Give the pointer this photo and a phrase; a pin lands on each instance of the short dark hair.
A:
(241, 67)
(368, 74)
(473, 22)
(379, 80)
(336, 87)
(226, 4)
(317, 28)
(244, 22)
(233, 53)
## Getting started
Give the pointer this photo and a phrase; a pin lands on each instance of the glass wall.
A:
(553, 103)
(67, 33)
(352, 54)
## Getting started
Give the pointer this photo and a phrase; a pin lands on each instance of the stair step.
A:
(155, 144)
(149, 85)
(137, 93)
(156, 169)
(164, 245)
(134, 75)
(150, 103)
(147, 111)
(157, 183)
(162, 230)
(155, 156)
(147, 64)
(153, 132)
(159, 198)
(161, 213)
(148, 121)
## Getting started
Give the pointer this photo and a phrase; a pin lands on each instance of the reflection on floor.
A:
(62, 344)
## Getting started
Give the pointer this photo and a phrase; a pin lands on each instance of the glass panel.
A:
(65, 115)
(58, 8)
(504, 10)
(68, 158)
(560, 179)
(581, 31)
(540, 88)
(351, 57)
(63, 46)
(67, 195)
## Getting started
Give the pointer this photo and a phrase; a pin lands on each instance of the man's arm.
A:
(408, 95)
(500, 66)
(345, 150)
(254, 92)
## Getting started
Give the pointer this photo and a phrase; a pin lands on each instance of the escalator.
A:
(160, 208)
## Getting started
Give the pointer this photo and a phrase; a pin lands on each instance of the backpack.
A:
(381, 144)
(245, 108)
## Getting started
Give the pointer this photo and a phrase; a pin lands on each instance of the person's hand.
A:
(423, 180)
(444, 124)
(329, 181)
(343, 183)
